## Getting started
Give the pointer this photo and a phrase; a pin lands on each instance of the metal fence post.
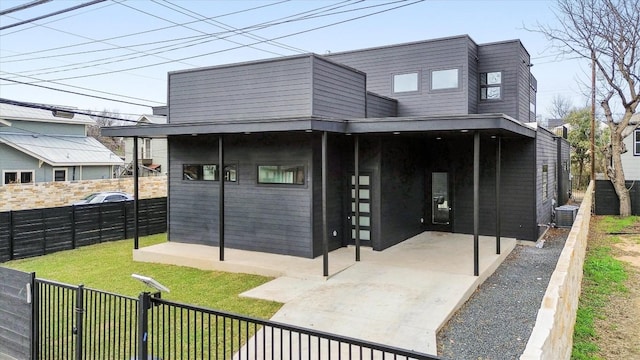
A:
(144, 303)
(73, 226)
(79, 312)
(35, 318)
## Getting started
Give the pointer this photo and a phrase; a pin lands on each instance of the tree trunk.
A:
(617, 175)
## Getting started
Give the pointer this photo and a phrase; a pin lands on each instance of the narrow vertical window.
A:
(545, 182)
(636, 143)
(491, 85)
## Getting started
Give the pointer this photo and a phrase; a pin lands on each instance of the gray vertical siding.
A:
(16, 314)
(381, 106)
(337, 90)
(270, 218)
(473, 78)
(273, 88)
(524, 85)
(564, 166)
(380, 64)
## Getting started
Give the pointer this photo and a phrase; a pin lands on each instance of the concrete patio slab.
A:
(400, 296)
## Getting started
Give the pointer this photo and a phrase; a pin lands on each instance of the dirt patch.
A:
(618, 329)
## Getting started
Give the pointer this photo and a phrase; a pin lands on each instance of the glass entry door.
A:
(440, 204)
(365, 208)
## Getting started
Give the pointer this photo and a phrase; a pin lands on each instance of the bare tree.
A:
(560, 107)
(102, 119)
(606, 32)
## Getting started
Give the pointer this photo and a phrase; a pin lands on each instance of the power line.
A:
(48, 107)
(268, 24)
(52, 14)
(81, 88)
(23, 6)
(75, 92)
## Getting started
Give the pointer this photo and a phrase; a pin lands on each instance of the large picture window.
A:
(18, 177)
(636, 143)
(208, 172)
(281, 174)
(491, 85)
(444, 79)
(405, 82)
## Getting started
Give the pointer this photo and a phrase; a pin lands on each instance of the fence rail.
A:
(74, 322)
(28, 233)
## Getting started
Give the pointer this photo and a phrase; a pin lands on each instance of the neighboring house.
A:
(417, 123)
(43, 145)
(631, 159)
(152, 153)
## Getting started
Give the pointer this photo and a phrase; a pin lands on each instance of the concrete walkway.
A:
(400, 296)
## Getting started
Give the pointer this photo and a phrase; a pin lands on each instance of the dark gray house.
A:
(435, 131)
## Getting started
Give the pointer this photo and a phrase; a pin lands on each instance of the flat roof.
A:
(460, 123)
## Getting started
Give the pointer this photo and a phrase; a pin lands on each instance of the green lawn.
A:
(108, 266)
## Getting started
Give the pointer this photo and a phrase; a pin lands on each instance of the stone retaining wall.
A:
(63, 193)
(552, 336)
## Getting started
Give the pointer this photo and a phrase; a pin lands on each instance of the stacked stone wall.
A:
(552, 335)
(64, 193)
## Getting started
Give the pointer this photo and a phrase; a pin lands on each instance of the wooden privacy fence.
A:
(28, 233)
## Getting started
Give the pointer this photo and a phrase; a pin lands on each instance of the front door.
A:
(365, 209)
(439, 203)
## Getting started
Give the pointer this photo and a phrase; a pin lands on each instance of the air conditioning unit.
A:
(566, 215)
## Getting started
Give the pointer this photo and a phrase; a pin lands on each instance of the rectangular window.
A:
(18, 177)
(636, 143)
(491, 85)
(405, 82)
(146, 148)
(545, 182)
(444, 79)
(59, 174)
(208, 172)
(281, 174)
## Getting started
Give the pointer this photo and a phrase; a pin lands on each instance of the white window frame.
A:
(146, 144)
(66, 173)
(636, 142)
(432, 72)
(19, 176)
(396, 77)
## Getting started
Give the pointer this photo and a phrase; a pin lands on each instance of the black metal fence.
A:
(606, 199)
(74, 322)
(27, 233)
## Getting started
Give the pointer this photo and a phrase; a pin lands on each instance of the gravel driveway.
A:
(497, 320)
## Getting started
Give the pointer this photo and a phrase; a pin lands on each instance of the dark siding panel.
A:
(474, 78)
(337, 149)
(607, 202)
(337, 90)
(382, 63)
(378, 106)
(546, 154)
(517, 210)
(402, 191)
(279, 88)
(564, 166)
(502, 57)
(267, 218)
(524, 86)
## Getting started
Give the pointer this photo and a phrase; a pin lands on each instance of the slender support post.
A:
(498, 177)
(357, 194)
(135, 194)
(476, 202)
(144, 303)
(79, 332)
(221, 197)
(325, 235)
(35, 318)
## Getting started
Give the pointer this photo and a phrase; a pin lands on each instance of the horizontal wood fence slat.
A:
(28, 233)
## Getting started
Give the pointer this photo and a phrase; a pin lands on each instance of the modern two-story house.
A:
(39, 145)
(296, 155)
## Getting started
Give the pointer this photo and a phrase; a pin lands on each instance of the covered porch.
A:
(400, 296)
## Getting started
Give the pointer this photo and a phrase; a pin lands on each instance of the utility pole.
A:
(592, 136)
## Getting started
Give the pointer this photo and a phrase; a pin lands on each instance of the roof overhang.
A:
(498, 123)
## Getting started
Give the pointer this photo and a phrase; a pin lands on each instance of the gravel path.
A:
(497, 321)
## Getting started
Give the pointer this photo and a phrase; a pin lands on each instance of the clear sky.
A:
(126, 47)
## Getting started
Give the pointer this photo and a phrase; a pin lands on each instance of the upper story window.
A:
(208, 172)
(444, 79)
(491, 85)
(636, 143)
(281, 174)
(405, 82)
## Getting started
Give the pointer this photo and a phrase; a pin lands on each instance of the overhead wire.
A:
(59, 108)
(23, 6)
(79, 6)
(242, 46)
